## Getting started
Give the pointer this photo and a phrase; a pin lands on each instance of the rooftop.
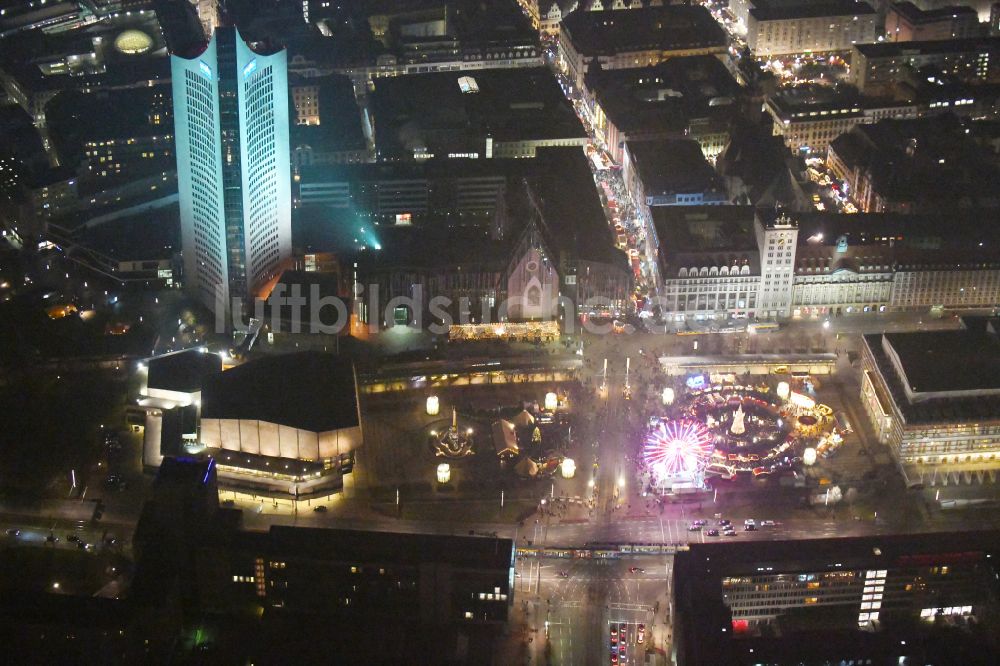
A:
(664, 97)
(948, 361)
(956, 229)
(339, 116)
(705, 228)
(183, 371)
(802, 99)
(666, 28)
(929, 161)
(915, 15)
(673, 166)
(563, 186)
(431, 112)
(706, 236)
(435, 246)
(936, 363)
(390, 547)
(772, 11)
(307, 390)
(895, 550)
(895, 49)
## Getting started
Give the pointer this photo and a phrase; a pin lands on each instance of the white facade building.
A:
(776, 242)
(234, 176)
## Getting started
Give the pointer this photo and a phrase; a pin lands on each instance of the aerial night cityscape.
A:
(502, 332)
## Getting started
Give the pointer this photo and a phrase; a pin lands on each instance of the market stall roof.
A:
(504, 437)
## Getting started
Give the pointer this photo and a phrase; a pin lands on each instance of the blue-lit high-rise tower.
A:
(233, 167)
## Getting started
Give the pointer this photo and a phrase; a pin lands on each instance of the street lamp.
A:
(567, 468)
(433, 405)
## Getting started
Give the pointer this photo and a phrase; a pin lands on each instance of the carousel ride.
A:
(452, 442)
(724, 430)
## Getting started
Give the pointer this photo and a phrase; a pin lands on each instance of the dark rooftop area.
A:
(673, 166)
(916, 15)
(563, 186)
(694, 236)
(705, 228)
(431, 111)
(814, 97)
(955, 229)
(945, 361)
(937, 410)
(664, 97)
(142, 235)
(183, 371)
(928, 161)
(434, 246)
(895, 550)
(322, 290)
(339, 116)
(661, 28)
(308, 390)
(386, 547)
(766, 11)
(892, 49)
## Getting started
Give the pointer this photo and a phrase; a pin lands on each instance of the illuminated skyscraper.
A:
(233, 171)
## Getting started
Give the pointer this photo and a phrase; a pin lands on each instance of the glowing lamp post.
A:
(551, 401)
(668, 396)
(443, 473)
(567, 468)
(433, 405)
(809, 457)
(784, 390)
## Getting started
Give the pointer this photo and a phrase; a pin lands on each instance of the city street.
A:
(577, 605)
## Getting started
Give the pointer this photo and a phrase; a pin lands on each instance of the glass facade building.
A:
(233, 165)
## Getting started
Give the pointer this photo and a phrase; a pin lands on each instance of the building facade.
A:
(864, 600)
(932, 397)
(811, 128)
(622, 39)
(231, 129)
(905, 22)
(876, 68)
(777, 240)
(733, 262)
(822, 28)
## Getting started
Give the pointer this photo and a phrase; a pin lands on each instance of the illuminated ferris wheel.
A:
(678, 450)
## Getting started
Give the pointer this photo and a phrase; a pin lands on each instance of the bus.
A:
(762, 327)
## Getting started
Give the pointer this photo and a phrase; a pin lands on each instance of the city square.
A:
(514, 332)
